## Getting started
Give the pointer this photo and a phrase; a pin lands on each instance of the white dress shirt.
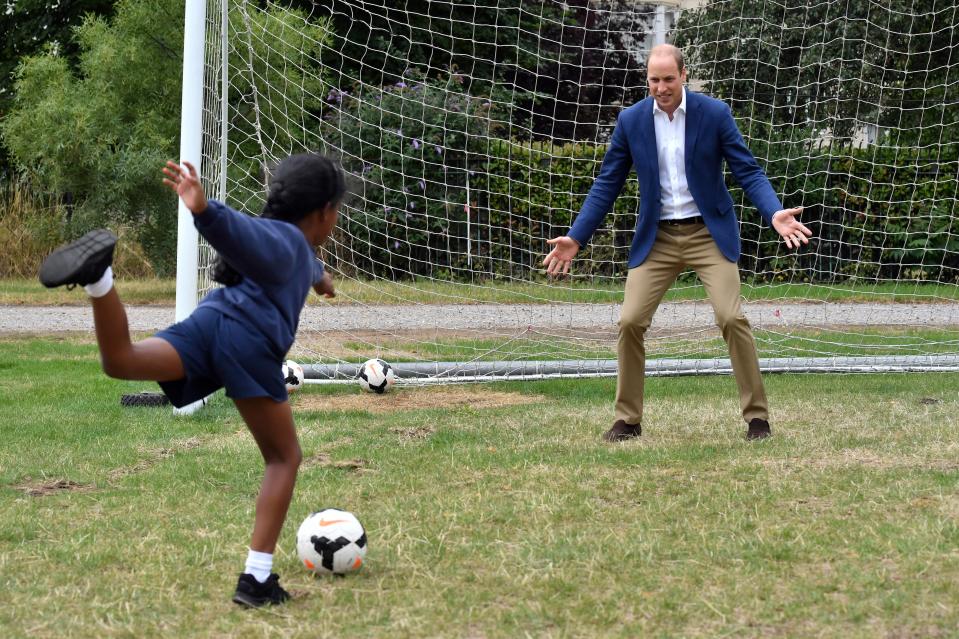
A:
(677, 201)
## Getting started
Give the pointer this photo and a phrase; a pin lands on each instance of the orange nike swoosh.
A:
(330, 522)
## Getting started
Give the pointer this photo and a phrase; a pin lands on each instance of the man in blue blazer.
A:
(677, 141)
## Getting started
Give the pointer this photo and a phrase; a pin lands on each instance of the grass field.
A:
(351, 291)
(492, 511)
(863, 341)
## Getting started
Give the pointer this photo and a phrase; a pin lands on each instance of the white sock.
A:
(102, 286)
(259, 564)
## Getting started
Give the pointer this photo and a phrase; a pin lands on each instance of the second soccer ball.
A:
(376, 376)
(292, 375)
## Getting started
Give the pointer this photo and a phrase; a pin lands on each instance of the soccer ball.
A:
(331, 541)
(376, 376)
(292, 375)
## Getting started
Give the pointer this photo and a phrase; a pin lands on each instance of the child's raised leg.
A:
(87, 262)
(152, 359)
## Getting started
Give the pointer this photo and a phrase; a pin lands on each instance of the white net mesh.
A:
(472, 132)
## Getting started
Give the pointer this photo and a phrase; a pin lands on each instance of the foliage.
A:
(541, 49)
(276, 83)
(101, 135)
(880, 213)
(533, 191)
(414, 147)
(30, 25)
(830, 66)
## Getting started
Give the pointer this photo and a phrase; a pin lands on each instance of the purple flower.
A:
(416, 144)
(438, 150)
(396, 244)
(422, 184)
(367, 168)
(412, 205)
(386, 209)
(401, 84)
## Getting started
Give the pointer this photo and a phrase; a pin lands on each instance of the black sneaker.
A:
(253, 594)
(80, 262)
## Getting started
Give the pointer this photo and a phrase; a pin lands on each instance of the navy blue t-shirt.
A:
(278, 265)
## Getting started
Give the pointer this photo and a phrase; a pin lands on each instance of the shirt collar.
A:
(681, 107)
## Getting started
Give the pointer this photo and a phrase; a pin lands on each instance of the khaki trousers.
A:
(678, 247)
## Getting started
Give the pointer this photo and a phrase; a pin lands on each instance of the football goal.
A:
(472, 131)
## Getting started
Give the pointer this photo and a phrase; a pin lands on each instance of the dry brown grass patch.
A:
(414, 432)
(446, 397)
(154, 456)
(324, 460)
(40, 488)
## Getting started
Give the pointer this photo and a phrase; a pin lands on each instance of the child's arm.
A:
(324, 285)
(187, 185)
(251, 252)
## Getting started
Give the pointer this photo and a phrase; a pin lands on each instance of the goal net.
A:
(472, 131)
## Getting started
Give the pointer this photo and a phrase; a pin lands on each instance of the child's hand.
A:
(325, 286)
(186, 185)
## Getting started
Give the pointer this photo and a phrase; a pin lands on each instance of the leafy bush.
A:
(877, 212)
(415, 149)
(99, 138)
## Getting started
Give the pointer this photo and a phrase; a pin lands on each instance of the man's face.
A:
(665, 82)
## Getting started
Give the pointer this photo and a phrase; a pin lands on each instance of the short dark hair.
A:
(677, 54)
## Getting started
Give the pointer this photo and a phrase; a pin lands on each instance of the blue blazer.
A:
(711, 137)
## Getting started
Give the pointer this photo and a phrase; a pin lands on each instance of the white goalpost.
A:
(471, 132)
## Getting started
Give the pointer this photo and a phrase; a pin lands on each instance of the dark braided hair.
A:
(300, 184)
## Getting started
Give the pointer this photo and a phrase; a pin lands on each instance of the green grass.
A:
(491, 522)
(163, 291)
(795, 343)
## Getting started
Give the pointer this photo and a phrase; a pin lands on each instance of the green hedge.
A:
(877, 213)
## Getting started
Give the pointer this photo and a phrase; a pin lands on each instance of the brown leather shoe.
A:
(758, 429)
(621, 431)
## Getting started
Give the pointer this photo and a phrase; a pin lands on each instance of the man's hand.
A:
(325, 286)
(186, 184)
(558, 261)
(791, 229)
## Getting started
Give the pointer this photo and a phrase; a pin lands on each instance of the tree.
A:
(563, 68)
(101, 134)
(830, 67)
(30, 26)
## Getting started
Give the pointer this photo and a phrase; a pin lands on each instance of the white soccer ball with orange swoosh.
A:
(331, 541)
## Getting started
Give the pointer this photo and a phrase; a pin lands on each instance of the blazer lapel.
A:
(647, 133)
(694, 120)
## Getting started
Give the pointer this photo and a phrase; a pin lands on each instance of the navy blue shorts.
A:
(219, 351)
